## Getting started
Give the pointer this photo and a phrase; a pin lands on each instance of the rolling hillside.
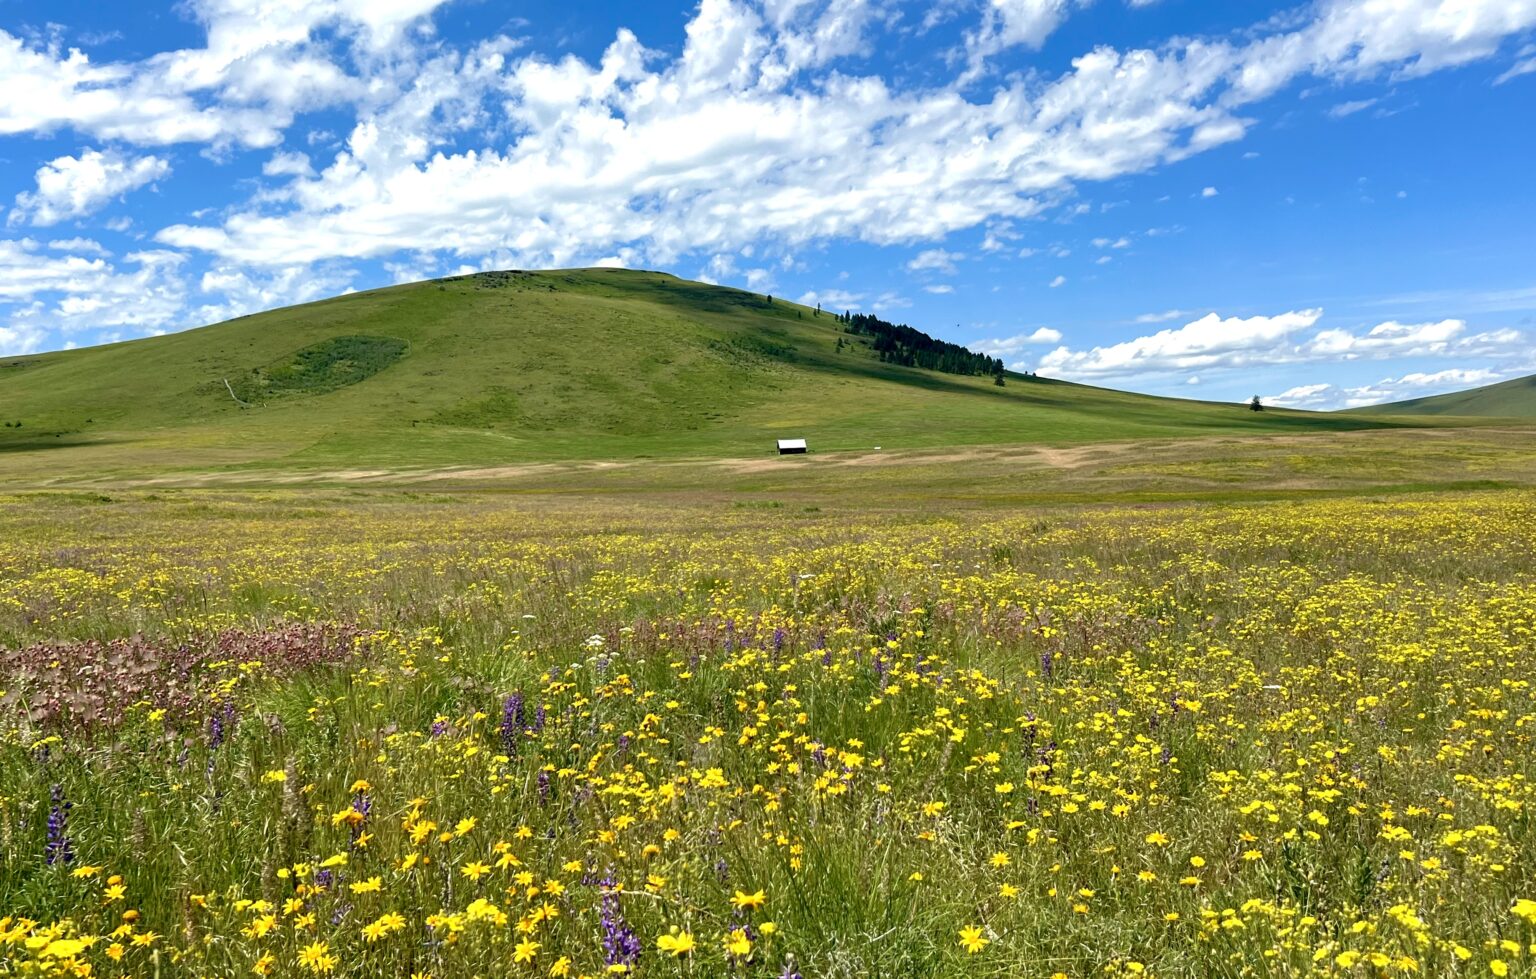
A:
(508, 367)
(1506, 399)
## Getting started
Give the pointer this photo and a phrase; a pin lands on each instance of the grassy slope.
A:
(1507, 399)
(588, 364)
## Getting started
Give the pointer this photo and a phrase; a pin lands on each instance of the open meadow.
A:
(371, 731)
(768, 489)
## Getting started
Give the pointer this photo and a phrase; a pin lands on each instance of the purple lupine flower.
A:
(324, 878)
(778, 642)
(438, 728)
(539, 716)
(59, 848)
(221, 725)
(512, 721)
(790, 972)
(543, 785)
(621, 946)
(362, 805)
(1047, 664)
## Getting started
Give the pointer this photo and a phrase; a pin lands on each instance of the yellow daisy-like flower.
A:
(737, 943)
(317, 958)
(752, 901)
(971, 939)
(679, 944)
(260, 926)
(526, 951)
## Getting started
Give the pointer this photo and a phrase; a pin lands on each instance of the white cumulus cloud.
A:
(1215, 343)
(740, 139)
(1207, 342)
(62, 294)
(935, 260)
(75, 186)
(1008, 346)
(1417, 384)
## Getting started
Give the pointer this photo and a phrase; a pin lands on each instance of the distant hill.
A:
(1506, 399)
(585, 364)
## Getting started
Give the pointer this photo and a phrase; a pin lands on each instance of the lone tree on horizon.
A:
(1255, 404)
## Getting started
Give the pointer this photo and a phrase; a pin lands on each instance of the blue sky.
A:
(1326, 204)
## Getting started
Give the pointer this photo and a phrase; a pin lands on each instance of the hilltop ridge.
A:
(1515, 398)
(512, 366)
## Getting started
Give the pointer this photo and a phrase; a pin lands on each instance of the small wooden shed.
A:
(790, 447)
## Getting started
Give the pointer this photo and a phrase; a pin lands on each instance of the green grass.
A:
(319, 368)
(513, 367)
(1244, 742)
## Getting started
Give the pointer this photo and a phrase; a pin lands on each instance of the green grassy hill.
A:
(509, 367)
(1507, 399)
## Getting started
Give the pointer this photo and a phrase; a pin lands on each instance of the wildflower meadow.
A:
(385, 734)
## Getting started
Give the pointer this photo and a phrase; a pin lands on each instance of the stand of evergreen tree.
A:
(901, 344)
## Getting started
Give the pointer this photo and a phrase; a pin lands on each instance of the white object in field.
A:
(791, 446)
